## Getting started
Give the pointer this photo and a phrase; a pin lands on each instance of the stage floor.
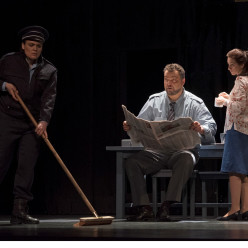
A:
(61, 228)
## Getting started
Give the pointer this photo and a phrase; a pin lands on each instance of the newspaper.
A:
(162, 135)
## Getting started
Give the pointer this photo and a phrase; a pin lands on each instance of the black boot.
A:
(20, 213)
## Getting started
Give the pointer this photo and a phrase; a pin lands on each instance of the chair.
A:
(205, 176)
(165, 174)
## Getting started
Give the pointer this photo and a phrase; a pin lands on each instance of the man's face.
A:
(32, 49)
(173, 83)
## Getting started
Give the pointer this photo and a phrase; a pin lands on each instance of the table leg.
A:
(204, 199)
(120, 187)
(192, 198)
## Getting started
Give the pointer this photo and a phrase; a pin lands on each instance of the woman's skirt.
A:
(235, 155)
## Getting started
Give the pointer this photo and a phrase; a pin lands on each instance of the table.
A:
(122, 152)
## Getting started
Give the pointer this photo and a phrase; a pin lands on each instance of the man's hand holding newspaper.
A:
(162, 135)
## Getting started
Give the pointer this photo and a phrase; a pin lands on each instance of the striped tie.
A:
(171, 114)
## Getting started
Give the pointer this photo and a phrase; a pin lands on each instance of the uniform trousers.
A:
(18, 139)
(149, 162)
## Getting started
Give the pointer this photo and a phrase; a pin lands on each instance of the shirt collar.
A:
(33, 66)
(179, 100)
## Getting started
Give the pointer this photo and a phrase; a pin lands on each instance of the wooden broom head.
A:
(88, 221)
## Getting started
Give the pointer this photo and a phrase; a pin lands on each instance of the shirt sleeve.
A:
(3, 86)
(237, 103)
(146, 112)
(48, 99)
(204, 117)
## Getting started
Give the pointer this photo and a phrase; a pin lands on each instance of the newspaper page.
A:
(162, 135)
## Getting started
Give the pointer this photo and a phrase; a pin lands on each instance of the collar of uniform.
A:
(39, 61)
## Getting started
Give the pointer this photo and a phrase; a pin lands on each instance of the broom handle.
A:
(81, 193)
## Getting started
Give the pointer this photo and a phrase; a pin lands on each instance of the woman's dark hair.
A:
(241, 58)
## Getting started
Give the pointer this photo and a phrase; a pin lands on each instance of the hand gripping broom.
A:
(83, 221)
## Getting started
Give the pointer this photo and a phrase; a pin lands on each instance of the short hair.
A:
(175, 67)
(240, 57)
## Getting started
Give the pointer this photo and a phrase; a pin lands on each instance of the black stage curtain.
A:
(110, 53)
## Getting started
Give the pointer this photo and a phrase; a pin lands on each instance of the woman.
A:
(34, 78)
(235, 156)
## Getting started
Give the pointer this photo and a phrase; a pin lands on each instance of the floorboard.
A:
(62, 228)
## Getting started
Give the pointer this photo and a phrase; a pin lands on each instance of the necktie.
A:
(171, 114)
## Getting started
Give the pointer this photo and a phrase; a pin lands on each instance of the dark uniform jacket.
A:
(38, 93)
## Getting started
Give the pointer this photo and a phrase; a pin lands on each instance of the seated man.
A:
(182, 162)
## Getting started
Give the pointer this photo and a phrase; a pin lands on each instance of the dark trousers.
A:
(18, 139)
(147, 162)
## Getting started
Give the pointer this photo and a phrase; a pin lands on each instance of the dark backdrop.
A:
(109, 53)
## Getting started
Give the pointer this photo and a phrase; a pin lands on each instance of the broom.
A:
(83, 221)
